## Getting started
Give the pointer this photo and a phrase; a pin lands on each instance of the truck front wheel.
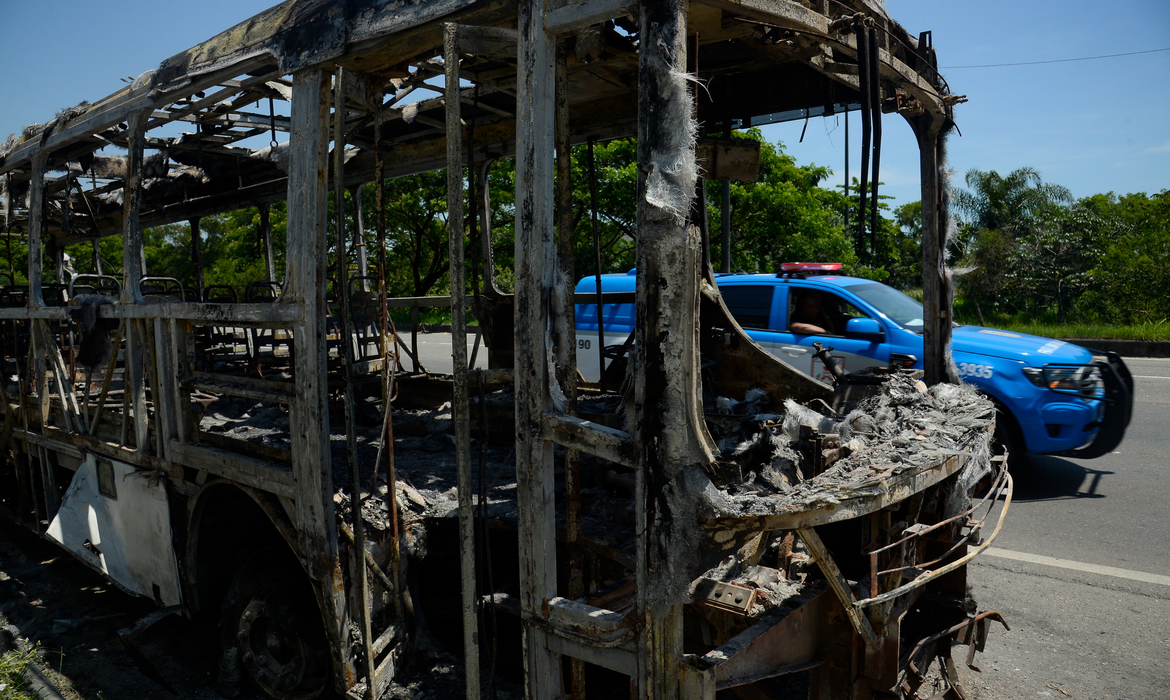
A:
(1008, 437)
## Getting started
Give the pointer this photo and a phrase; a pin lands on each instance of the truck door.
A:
(757, 308)
(806, 310)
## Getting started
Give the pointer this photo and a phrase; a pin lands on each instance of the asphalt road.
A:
(1081, 569)
(434, 351)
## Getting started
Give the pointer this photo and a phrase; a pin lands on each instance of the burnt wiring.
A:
(875, 98)
(864, 88)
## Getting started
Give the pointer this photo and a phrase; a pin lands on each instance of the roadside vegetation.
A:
(13, 685)
(1027, 255)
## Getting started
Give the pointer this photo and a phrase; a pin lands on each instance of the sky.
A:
(1094, 126)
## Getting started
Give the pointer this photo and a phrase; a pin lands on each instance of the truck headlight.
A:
(1084, 380)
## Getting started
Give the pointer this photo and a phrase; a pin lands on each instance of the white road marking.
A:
(1148, 376)
(1078, 566)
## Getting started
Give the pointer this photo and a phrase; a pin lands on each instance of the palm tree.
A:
(993, 215)
(1009, 205)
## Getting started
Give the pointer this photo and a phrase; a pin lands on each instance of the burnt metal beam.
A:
(309, 411)
(936, 284)
(536, 277)
(460, 412)
(672, 443)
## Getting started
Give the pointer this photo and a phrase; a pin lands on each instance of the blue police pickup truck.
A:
(1054, 397)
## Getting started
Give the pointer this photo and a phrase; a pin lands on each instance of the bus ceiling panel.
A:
(781, 88)
(298, 35)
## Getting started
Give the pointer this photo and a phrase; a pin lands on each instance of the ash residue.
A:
(809, 457)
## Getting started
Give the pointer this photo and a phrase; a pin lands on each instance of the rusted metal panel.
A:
(839, 585)
(728, 159)
(772, 647)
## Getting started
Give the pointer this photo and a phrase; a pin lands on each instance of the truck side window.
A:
(750, 304)
(820, 309)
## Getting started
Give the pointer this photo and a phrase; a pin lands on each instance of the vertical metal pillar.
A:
(669, 435)
(36, 219)
(936, 301)
(359, 240)
(36, 271)
(360, 571)
(197, 256)
(460, 414)
(847, 167)
(309, 412)
(725, 214)
(97, 256)
(266, 242)
(133, 266)
(391, 366)
(566, 342)
(536, 260)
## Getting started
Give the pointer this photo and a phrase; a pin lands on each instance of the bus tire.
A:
(275, 626)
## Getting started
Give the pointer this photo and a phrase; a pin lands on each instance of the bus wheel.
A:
(273, 625)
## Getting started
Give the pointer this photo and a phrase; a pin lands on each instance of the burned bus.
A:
(273, 460)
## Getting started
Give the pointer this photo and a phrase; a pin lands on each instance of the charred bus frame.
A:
(544, 77)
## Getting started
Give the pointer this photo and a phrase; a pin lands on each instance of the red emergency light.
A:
(810, 267)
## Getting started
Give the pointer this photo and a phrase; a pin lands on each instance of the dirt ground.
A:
(74, 614)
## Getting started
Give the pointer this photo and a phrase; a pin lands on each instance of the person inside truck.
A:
(809, 316)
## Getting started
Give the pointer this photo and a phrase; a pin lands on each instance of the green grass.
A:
(430, 316)
(12, 681)
(1048, 325)
(1045, 324)
(1145, 331)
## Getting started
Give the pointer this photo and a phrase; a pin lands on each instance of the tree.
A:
(785, 216)
(616, 172)
(906, 265)
(1049, 268)
(1128, 283)
(1009, 204)
(992, 216)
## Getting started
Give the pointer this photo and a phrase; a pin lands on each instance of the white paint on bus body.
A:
(121, 527)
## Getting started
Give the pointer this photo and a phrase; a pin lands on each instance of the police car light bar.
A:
(810, 267)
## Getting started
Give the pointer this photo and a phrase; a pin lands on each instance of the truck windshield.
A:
(898, 307)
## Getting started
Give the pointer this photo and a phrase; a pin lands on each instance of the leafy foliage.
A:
(1128, 282)
(906, 260)
(785, 216)
(1035, 253)
(13, 685)
(1011, 205)
(1004, 222)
